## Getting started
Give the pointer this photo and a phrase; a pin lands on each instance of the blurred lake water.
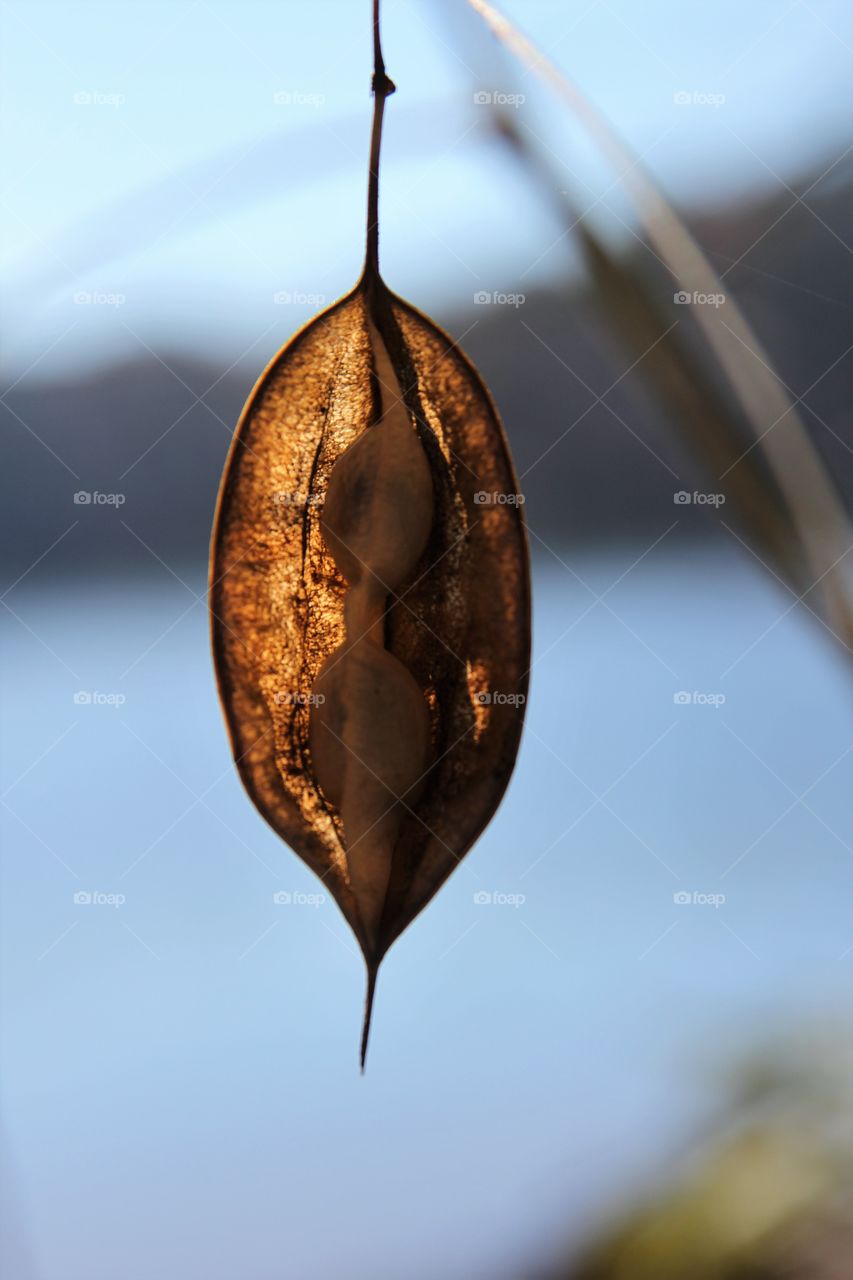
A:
(666, 877)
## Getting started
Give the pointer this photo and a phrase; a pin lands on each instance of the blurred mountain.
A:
(156, 430)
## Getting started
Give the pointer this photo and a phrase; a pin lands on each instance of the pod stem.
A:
(372, 970)
(382, 89)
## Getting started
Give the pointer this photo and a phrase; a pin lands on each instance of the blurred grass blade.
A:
(799, 476)
(709, 424)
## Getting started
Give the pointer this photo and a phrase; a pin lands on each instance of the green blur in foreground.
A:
(767, 1196)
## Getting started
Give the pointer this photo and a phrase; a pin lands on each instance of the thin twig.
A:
(382, 89)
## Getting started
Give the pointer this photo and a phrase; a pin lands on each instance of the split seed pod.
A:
(370, 602)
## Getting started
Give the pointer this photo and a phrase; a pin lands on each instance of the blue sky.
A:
(194, 159)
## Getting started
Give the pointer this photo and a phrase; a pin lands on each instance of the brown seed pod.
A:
(370, 604)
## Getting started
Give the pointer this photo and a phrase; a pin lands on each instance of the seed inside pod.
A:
(379, 506)
(370, 744)
(370, 733)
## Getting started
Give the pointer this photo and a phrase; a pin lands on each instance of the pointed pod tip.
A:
(372, 970)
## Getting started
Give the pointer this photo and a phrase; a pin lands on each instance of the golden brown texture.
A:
(454, 619)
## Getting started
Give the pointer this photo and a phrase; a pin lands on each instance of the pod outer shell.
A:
(460, 624)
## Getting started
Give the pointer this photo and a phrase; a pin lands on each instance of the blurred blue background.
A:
(185, 188)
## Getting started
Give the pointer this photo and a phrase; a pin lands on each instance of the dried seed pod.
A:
(370, 602)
